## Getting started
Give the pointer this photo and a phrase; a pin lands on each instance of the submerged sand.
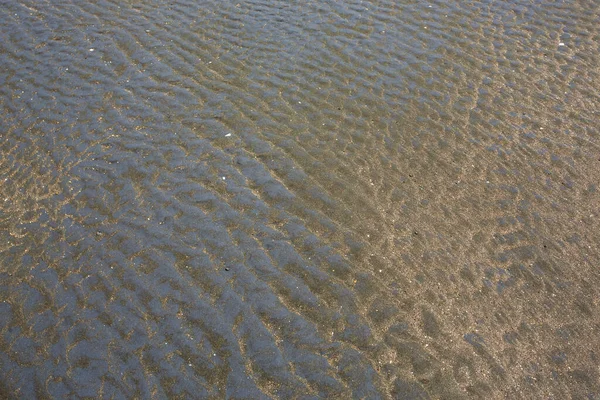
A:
(356, 199)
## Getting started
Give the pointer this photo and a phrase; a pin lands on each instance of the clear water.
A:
(273, 199)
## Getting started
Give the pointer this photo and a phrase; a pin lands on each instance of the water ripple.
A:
(299, 200)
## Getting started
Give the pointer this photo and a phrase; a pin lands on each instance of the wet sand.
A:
(246, 200)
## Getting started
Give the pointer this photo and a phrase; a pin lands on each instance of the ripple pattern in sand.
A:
(299, 199)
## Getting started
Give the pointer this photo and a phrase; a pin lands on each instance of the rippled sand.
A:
(273, 199)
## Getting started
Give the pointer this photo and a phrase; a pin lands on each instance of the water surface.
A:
(273, 199)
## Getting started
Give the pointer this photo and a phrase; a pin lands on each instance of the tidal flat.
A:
(299, 200)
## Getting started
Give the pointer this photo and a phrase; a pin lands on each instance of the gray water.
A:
(273, 199)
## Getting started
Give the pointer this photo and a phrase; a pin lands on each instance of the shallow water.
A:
(362, 199)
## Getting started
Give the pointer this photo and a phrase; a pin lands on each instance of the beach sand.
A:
(299, 200)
